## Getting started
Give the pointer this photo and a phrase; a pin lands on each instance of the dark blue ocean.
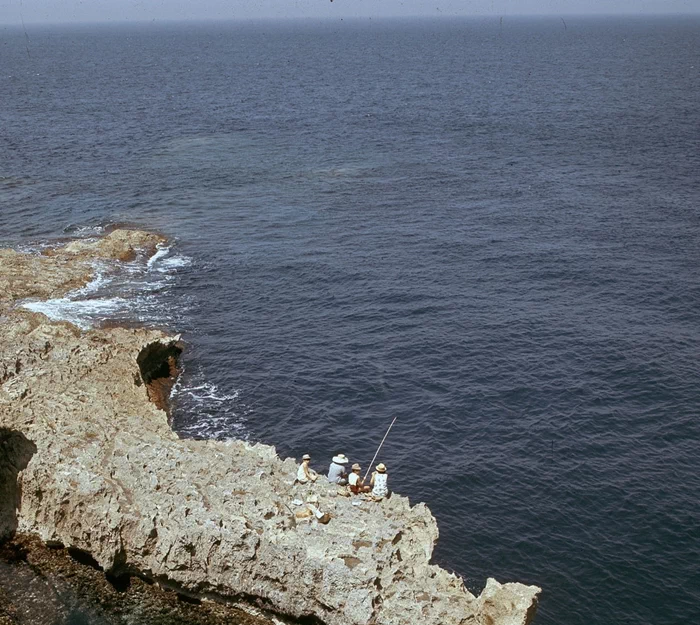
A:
(487, 228)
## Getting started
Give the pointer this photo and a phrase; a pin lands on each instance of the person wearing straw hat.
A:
(379, 482)
(336, 472)
(356, 483)
(305, 473)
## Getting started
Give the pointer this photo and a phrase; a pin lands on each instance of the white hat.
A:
(340, 459)
(381, 468)
(306, 457)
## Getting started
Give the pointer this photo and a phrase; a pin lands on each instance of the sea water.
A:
(486, 228)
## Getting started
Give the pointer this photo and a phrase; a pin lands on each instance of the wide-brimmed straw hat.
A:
(381, 467)
(356, 467)
(306, 457)
(340, 459)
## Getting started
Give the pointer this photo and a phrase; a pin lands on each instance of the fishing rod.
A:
(378, 448)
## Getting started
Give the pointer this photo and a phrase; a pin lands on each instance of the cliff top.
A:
(94, 465)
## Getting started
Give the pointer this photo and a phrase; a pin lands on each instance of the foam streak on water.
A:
(82, 313)
(217, 415)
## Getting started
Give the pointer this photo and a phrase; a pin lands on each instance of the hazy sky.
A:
(33, 11)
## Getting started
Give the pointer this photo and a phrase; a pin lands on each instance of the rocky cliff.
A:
(88, 460)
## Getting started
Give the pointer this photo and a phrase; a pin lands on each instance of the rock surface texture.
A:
(90, 462)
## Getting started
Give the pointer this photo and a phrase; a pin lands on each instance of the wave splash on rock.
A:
(121, 286)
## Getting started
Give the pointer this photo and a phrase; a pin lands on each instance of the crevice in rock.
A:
(119, 575)
(189, 599)
(310, 620)
(237, 600)
(83, 557)
(12, 552)
(79, 594)
(158, 364)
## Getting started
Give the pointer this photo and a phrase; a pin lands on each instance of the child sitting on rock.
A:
(355, 482)
(305, 473)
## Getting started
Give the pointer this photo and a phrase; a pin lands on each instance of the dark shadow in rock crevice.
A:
(16, 450)
(120, 583)
(310, 620)
(83, 557)
(158, 365)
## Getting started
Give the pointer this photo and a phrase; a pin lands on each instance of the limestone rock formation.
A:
(90, 462)
(121, 245)
(25, 275)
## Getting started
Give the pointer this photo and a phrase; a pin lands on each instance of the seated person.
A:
(355, 481)
(379, 482)
(305, 473)
(336, 472)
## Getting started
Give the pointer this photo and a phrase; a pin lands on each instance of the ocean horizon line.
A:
(267, 20)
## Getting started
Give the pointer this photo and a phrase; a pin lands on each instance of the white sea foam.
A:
(203, 411)
(162, 252)
(162, 262)
(100, 281)
(82, 231)
(214, 427)
(118, 290)
(33, 249)
(208, 392)
(173, 263)
(78, 306)
(82, 313)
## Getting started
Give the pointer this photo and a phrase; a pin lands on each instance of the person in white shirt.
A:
(355, 481)
(379, 482)
(305, 473)
(336, 472)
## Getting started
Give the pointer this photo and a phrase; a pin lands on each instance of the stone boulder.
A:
(120, 244)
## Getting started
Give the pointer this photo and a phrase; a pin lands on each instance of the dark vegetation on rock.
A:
(57, 589)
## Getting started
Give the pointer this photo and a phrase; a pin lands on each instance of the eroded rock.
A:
(120, 244)
(25, 275)
(158, 366)
(217, 519)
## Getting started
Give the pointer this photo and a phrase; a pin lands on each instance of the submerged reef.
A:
(89, 463)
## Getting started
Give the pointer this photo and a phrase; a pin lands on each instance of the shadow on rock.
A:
(16, 450)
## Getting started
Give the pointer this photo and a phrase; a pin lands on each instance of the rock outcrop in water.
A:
(90, 462)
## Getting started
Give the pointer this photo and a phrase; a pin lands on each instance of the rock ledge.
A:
(88, 461)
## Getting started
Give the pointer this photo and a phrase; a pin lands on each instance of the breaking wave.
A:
(83, 231)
